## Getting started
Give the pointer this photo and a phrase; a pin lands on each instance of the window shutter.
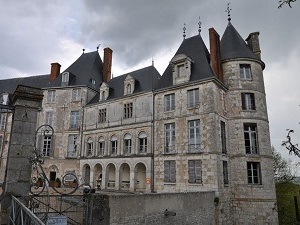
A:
(243, 101)
(252, 102)
(198, 171)
(167, 171)
(51, 153)
(173, 171)
(39, 144)
(192, 178)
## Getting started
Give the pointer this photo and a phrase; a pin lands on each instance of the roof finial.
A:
(83, 51)
(199, 23)
(152, 61)
(228, 10)
(184, 29)
(98, 47)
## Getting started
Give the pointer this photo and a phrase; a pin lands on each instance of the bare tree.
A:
(285, 2)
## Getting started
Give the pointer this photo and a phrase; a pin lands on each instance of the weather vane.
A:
(228, 10)
(184, 29)
(199, 23)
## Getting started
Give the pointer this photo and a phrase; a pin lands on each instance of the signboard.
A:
(148, 181)
(57, 220)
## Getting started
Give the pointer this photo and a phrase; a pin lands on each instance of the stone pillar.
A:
(26, 101)
(132, 181)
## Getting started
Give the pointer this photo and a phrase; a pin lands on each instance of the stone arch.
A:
(98, 173)
(110, 182)
(86, 171)
(124, 175)
(140, 177)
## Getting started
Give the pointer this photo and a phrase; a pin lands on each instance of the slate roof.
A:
(145, 80)
(194, 48)
(233, 45)
(86, 67)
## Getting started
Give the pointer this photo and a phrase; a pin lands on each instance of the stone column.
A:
(26, 101)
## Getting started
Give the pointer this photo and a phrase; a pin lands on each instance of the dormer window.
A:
(65, 79)
(93, 81)
(104, 91)
(129, 85)
(4, 99)
(181, 68)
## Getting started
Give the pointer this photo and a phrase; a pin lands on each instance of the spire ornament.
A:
(98, 47)
(199, 23)
(184, 29)
(228, 10)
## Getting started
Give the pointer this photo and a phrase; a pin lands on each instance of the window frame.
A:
(74, 119)
(51, 96)
(3, 117)
(143, 143)
(49, 118)
(47, 145)
(195, 145)
(76, 94)
(72, 146)
(251, 139)
(102, 115)
(101, 146)
(128, 110)
(193, 99)
(170, 138)
(248, 101)
(225, 173)
(113, 145)
(254, 173)
(89, 147)
(245, 72)
(169, 102)
(195, 171)
(223, 137)
(170, 171)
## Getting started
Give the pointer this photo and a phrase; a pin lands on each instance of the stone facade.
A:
(198, 128)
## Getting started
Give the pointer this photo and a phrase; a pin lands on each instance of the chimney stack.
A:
(55, 71)
(253, 43)
(107, 64)
(215, 53)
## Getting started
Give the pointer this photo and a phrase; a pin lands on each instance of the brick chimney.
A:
(107, 64)
(215, 53)
(253, 43)
(55, 71)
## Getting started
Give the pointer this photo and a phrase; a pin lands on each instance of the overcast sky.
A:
(36, 33)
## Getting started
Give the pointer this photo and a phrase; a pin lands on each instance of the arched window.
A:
(113, 145)
(143, 142)
(127, 144)
(101, 146)
(103, 95)
(89, 147)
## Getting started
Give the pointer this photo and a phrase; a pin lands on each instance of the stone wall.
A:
(164, 209)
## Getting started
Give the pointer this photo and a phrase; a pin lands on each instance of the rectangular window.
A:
(127, 146)
(194, 136)
(193, 98)
(65, 77)
(47, 145)
(51, 96)
(143, 145)
(170, 138)
(245, 71)
(225, 173)
(72, 146)
(114, 147)
(2, 121)
(1, 139)
(223, 137)
(250, 136)
(101, 148)
(48, 119)
(74, 119)
(102, 116)
(195, 171)
(169, 102)
(254, 173)
(76, 94)
(248, 101)
(170, 171)
(128, 110)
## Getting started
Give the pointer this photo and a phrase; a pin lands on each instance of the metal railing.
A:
(21, 215)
